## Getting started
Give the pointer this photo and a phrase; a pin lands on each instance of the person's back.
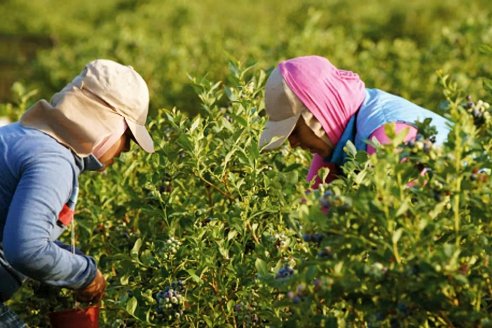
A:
(21, 148)
(35, 173)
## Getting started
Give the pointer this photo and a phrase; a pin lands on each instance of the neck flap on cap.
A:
(330, 94)
(76, 120)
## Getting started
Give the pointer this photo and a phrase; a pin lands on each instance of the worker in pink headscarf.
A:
(319, 107)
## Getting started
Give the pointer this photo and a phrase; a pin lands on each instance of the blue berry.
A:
(314, 237)
(402, 307)
(326, 253)
(284, 272)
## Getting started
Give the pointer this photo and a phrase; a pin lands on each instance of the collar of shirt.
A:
(88, 163)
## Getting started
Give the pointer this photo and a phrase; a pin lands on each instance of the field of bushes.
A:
(211, 232)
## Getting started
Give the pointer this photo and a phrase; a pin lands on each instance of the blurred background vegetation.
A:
(182, 48)
(393, 45)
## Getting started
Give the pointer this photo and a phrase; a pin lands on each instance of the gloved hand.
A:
(94, 292)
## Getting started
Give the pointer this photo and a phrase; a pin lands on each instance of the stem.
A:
(373, 244)
(456, 196)
(396, 253)
(479, 299)
(215, 187)
(456, 205)
(446, 320)
(248, 225)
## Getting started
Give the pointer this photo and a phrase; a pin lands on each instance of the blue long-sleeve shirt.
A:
(37, 177)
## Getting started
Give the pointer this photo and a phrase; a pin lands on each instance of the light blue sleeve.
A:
(380, 108)
(44, 187)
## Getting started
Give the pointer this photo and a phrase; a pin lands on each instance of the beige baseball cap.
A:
(102, 98)
(125, 91)
(284, 109)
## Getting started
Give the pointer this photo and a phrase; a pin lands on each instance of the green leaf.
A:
(185, 142)
(261, 267)
(292, 178)
(136, 248)
(389, 130)
(486, 49)
(232, 234)
(487, 84)
(397, 235)
(230, 306)
(403, 209)
(124, 280)
(194, 276)
(131, 305)
(338, 268)
(230, 94)
(208, 321)
(195, 124)
(350, 149)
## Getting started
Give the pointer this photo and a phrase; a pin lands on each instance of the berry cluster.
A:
(166, 186)
(282, 241)
(247, 315)
(170, 248)
(421, 143)
(326, 253)
(297, 295)
(439, 191)
(329, 200)
(170, 301)
(301, 291)
(479, 110)
(313, 237)
(285, 272)
(326, 200)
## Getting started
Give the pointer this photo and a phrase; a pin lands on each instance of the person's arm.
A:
(382, 138)
(380, 135)
(43, 188)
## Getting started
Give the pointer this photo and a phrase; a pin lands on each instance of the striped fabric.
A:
(8, 319)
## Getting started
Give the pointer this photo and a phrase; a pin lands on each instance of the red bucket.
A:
(76, 318)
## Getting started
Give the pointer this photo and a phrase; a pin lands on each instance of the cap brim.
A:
(276, 132)
(141, 136)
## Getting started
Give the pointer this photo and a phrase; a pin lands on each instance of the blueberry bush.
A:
(211, 232)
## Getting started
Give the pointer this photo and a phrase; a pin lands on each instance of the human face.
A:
(120, 146)
(302, 136)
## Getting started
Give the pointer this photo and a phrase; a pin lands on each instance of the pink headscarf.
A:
(330, 94)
